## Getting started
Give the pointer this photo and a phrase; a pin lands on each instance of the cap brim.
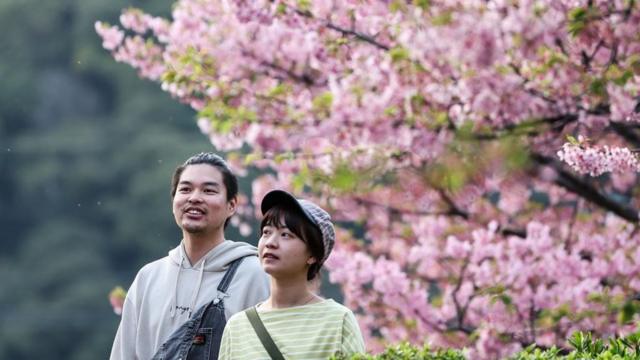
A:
(276, 197)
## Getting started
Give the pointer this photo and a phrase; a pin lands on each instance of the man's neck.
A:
(196, 246)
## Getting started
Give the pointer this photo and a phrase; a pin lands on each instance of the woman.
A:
(297, 237)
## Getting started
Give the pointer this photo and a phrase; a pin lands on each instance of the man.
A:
(167, 292)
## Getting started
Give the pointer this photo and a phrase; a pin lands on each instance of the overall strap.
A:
(263, 334)
(228, 276)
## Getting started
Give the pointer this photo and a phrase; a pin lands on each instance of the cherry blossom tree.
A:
(479, 156)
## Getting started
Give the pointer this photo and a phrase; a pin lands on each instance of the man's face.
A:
(200, 204)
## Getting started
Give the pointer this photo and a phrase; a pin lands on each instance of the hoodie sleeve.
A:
(259, 284)
(249, 287)
(124, 344)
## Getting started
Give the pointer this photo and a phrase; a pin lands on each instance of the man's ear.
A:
(232, 205)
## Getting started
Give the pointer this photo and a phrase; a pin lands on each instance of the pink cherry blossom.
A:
(594, 160)
(454, 144)
(111, 35)
(116, 298)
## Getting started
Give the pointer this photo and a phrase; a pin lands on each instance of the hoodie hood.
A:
(216, 260)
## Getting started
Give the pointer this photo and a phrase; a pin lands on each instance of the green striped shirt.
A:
(314, 331)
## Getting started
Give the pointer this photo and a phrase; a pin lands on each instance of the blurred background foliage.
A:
(87, 150)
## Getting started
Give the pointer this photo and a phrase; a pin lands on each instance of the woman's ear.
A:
(312, 260)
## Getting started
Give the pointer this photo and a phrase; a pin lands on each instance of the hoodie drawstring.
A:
(197, 289)
(174, 302)
(215, 261)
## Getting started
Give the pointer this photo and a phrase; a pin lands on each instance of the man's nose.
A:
(195, 196)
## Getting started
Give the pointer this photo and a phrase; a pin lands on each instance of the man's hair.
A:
(298, 224)
(228, 178)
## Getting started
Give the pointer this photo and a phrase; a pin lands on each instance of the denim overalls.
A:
(199, 338)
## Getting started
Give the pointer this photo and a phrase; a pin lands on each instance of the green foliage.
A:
(572, 140)
(516, 154)
(423, 4)
(618, 75)
(224, 117)
(583, 343)
(397, 5)
(535, 353)
(579, 19)
(405, 351)
(450, 176)
(399, 54)
(344, 179)
(583, 347)
(280, 90)
(442, 19)
(304, 5)
(634, 63)
(322, 103)
(598, 87)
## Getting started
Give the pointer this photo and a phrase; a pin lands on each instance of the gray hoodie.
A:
(166, 292)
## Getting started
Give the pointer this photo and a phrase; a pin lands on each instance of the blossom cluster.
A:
(430, 130)
(599, 160)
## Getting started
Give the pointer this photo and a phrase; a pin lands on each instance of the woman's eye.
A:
(183, 189)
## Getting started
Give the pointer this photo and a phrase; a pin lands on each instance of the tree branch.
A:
(304, 78)
(625, 131)
(586, 190)
(514, 232)
(532, 320)
(557, 123)
(358, 36)
(460, 310)
(348, 32)
(453, 208)
(450, 212)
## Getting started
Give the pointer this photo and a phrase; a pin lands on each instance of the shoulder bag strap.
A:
(263, 334)
(228, 275)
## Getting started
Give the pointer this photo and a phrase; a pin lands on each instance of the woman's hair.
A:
(302, 227)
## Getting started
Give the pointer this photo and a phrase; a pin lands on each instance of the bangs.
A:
(281, 217)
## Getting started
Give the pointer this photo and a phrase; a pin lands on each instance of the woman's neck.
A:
(286, 294)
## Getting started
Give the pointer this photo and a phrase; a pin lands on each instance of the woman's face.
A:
(283, 254)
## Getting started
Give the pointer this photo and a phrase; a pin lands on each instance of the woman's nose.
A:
(270, 241)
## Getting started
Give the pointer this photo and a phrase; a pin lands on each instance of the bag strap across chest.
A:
(228, 275)
(263, 334)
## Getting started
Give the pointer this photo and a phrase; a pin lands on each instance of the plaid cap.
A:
(311, 211)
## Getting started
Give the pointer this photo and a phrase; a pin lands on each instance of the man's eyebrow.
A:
(206, 183)
(211, 183)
